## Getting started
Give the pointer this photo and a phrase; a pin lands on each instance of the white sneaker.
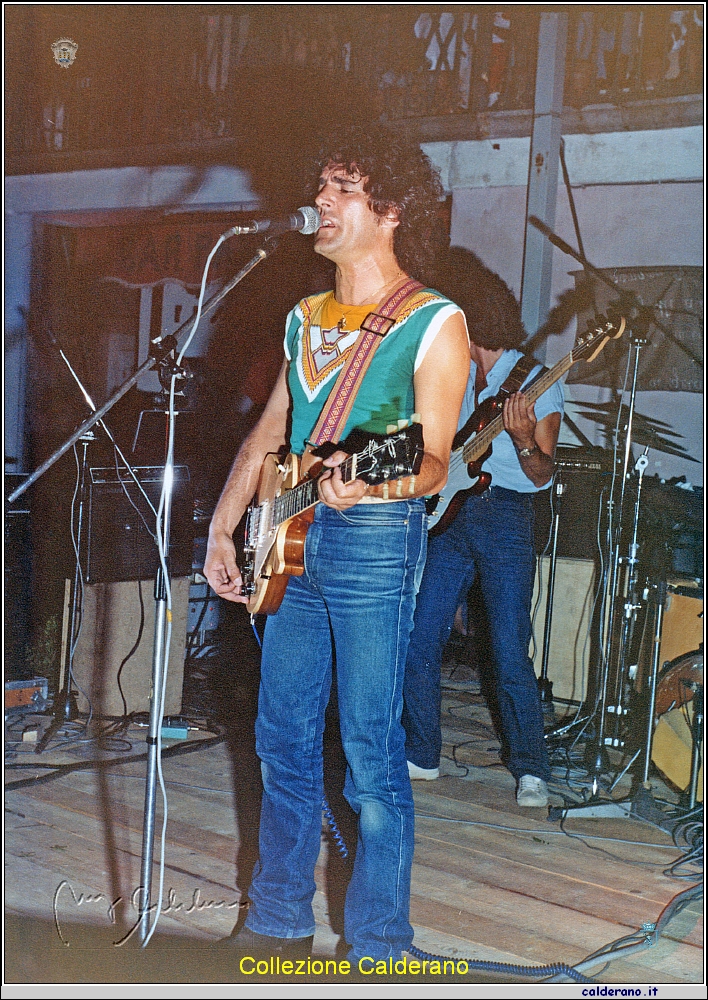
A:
(422, 773)
(532, 792)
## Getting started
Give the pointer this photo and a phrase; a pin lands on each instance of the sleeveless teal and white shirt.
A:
(386, 395)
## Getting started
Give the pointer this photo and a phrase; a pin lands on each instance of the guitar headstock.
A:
(388, 456)
(596, 338)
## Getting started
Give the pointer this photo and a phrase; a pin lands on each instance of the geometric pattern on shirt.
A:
(322, 352)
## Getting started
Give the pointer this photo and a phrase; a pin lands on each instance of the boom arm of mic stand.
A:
(631, 296)
(149, 363)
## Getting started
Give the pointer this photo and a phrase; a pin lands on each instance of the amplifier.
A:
(108, 665)
(120, 522)
(569, 651)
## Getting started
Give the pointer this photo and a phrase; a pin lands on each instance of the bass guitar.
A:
(278, 519)
(465, 476)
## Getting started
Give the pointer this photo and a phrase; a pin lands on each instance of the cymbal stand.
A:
(545, 686)
(631, 606)
(596, 758)
(64, 707)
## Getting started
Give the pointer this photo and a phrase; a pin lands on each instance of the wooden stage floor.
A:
(490, 881)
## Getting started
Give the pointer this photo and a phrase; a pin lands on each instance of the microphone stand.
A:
(163, 347)
(596, 756)
(64, 707)
(161, 651)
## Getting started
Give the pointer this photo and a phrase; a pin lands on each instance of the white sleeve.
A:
(431, 333)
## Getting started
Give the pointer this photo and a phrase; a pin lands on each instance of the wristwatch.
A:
(527, 452)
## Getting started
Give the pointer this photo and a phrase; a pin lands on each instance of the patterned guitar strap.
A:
(374, 328)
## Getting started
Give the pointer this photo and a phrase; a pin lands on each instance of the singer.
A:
(350, 614)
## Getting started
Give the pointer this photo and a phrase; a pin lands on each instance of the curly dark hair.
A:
(398, 176)
(493, 314)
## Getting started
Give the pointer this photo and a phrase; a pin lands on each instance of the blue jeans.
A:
(353, 608)
(492, 535)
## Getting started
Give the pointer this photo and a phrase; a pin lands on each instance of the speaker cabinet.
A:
(682, 627)
(569, 651)
(110, 628)
(119, 544)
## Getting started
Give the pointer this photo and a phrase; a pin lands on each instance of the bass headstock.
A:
(597, 336)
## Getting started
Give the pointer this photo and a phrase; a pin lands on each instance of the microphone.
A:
(306, 221)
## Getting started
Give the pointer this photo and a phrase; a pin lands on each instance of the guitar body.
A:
(462, 481)
(285, 559)
(284, 507)
(277, 553)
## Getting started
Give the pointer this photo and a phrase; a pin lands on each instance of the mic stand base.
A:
(640, 804)
(64, 710)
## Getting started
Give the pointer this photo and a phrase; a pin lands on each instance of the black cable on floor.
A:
(85, 765)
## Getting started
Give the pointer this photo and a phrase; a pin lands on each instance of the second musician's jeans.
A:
(354, 607)
(492, 535)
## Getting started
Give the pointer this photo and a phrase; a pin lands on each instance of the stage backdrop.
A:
(676, 296)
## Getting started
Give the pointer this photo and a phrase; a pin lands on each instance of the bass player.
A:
(492, 535)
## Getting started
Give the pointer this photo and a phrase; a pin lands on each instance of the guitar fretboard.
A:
(479, 444)
(298, 499)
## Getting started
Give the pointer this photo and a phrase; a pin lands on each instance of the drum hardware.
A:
(615, 673)
(653, 686)
(545, 686)
(696, 739)
(619, 593)
(677, 682)
(630, 607)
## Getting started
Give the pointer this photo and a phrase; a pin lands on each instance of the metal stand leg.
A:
(159, 658)
(65, 709)
(696, 744)
(545, 686)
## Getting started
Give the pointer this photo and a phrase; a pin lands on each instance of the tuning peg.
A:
(391, 428)
(402, 424)
(415, 418)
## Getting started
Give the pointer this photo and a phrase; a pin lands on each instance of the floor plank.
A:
(490, 881)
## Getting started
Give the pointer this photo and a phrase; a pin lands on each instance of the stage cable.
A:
(646, 937)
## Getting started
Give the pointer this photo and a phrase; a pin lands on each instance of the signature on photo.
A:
(65, 895)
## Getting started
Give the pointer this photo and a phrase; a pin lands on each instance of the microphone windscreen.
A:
(312, 220)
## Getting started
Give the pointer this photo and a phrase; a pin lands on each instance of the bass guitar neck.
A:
(465, 475)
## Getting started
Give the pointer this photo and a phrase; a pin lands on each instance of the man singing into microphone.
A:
(351, 612)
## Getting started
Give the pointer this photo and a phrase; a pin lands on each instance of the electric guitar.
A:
(278, 519)
(465, 476)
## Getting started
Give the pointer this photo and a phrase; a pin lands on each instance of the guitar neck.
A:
(475, 448)
(305, 495)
